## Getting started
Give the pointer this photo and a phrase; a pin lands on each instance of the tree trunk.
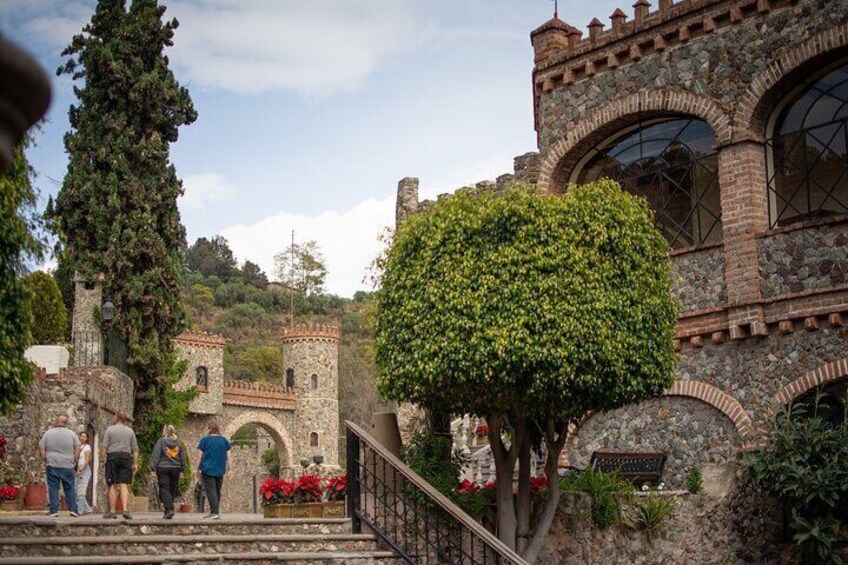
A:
(504, 465)
(555, 441)
(522, 510)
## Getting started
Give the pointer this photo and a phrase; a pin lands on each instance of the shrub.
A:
(49, 316)
(694, 481)
(650, 511)
(601, 486)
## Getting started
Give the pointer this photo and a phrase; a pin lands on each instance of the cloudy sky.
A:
(310, 111)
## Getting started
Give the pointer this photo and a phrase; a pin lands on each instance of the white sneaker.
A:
(52, 514)
(74, 515)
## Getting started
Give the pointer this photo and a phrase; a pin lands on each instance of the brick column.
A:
(744, 213)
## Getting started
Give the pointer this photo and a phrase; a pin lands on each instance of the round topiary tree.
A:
(529, 310)
(49, 317)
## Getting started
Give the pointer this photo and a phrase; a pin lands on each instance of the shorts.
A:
(119, 468)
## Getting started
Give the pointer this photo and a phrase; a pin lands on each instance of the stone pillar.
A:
(744, 212)
(407, 199)
(312, 352)
(86, 334)
(527, 167)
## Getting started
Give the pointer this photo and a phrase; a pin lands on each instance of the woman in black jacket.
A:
(168, 460)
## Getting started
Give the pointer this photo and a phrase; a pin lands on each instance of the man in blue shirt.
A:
(212, 466)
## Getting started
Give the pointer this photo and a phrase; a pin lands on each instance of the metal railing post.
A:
(353, 498)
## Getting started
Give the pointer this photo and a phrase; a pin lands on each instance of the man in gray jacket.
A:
(60, 449)
(168, 460)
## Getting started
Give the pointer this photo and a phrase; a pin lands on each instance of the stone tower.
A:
(311, 359)
(86, 334)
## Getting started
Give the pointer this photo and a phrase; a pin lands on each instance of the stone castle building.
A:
(731, 118)
(300, 417)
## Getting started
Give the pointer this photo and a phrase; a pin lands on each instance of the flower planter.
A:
(36, 496)
(12, 505)
(481, 441)
(334, 509)
(138, 503)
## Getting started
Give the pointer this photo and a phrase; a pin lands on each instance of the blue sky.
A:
(310, 111)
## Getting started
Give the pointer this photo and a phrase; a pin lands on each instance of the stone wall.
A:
(736, 528)
(698, 279)
(804, 259)
(206, 351)
(716, 65)
(690, 432)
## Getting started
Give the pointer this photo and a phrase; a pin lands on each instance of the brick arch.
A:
(716, 398)
(830, 372)
(268, 423)
(558, 161)
(773, 83)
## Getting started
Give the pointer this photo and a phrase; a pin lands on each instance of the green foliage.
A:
(253, 275)
(184, 484)
(49, 317)
(262, 363)
(17, 243)
(212, 257)
(117, 208)
(650, 511)
(816, 540)
(561, 303)
(694, 481)
(805, 464)
(302, 268)
(271, 461)
(601, 486)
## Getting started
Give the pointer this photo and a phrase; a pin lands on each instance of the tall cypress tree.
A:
(117, 208)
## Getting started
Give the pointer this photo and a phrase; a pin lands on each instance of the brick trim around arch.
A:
(829, 372)
(716, 398)
(606, 120)
(755, 105)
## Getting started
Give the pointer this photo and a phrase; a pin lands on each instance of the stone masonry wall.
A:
(736, 528)
(690, 432)
(698, 279)
(716, 65)
(318, 410)
(209, 401)
(805, 259)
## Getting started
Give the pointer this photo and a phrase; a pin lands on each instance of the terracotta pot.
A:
(36, 496)
(186, 508)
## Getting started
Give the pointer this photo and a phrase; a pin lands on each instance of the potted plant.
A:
(277, 497)
(307, 496)
(481, 435)
(334, 494)
(183, 486)
(10, 498)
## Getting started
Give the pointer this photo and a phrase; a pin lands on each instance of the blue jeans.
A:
(56, 475)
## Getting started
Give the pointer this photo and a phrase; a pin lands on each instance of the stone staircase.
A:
(237, 538)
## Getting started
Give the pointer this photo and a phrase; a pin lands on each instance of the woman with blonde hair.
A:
(168, 460)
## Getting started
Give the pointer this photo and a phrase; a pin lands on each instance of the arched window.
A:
(314, 381)
(313, 439)
(289, 378)
(673, 165)
(201, 377)
(808, 164)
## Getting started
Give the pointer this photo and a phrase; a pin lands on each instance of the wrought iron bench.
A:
(638, 468)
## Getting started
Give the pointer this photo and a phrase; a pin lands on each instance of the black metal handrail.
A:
(409, 514)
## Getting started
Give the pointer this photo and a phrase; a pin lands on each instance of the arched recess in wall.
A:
(774, 83)
(268, 423)
(559, 160)
(826, 374)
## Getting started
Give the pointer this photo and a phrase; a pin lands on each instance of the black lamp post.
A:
(107, 310)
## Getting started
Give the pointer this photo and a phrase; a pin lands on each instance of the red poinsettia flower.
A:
(336, 488)
(482, 430)
(538, 483)
(467, 487)
(9, 492)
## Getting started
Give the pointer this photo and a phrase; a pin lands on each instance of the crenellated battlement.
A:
(310, 332)
(564, 56)
(263, 395)
(201, 339)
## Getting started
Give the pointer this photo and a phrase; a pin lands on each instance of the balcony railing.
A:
(92, 349)
(409, 514)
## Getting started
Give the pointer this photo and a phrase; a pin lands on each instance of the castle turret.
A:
(311, 358)
(85, 329)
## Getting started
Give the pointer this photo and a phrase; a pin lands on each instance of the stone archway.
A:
(558, 160)
(827, 373)
(268, 423)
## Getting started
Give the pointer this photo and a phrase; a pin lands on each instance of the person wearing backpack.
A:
(168, 460)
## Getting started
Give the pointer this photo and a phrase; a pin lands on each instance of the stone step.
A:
(254, 558)
(153, 524)
(211, 543)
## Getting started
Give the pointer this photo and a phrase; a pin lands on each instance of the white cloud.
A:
(204, 189)
(348, 239)
(315, 47)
